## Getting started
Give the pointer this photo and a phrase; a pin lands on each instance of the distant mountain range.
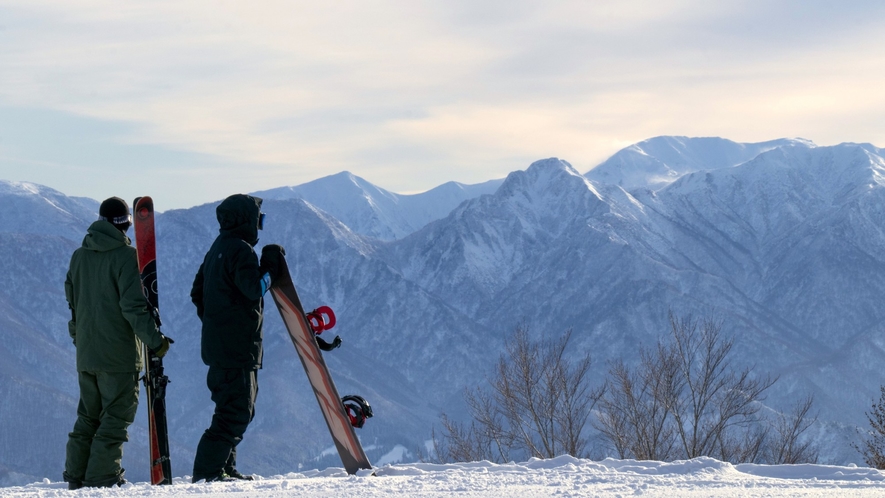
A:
(370, 210)
(782, 240)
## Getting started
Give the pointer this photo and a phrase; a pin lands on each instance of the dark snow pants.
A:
(234, 392)
(108, 402)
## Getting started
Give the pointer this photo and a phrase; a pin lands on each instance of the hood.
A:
(238, 216)
(102, 236)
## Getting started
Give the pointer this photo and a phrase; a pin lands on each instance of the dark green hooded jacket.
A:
(110, 316)
(227, 290)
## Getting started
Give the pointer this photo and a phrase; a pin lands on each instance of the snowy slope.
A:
(35, 209)
(468, 257)
(658, 161)
(796, 232)
(370, 210)
(562, 476)
(37, 375)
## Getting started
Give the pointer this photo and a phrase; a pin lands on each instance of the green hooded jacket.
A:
(109, 313)
(227, 289)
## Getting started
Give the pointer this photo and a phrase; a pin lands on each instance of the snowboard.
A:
(301, 331)
(154, 379)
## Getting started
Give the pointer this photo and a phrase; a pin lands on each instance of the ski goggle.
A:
(261, 221)
(118, 220)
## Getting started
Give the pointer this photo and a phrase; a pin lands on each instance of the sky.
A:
(191, 101)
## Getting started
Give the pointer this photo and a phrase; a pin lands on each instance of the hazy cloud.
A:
(409, 94)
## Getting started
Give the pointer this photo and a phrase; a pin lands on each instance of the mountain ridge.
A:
(786, 248)
(658, 161)
(373, 211)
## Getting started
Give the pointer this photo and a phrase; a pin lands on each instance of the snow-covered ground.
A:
(564, 476)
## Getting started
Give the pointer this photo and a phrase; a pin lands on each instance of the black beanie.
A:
(116, 211)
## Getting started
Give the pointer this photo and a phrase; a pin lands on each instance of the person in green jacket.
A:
(110, 319)
(227, 292)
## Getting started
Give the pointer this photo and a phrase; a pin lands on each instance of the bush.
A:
(872, 445)
(536, 404)
(686, 399)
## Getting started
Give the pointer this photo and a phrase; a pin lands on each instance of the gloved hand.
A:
(271, 260)
(164, 346)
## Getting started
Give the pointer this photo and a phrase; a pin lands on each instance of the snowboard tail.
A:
(303, 337)
(155, 379)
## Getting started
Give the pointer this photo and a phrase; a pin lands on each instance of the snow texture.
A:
(562, 476)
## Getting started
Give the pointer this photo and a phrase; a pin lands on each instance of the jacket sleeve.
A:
(69, 295)
(247, 276)
(135, 306)
(197, 292)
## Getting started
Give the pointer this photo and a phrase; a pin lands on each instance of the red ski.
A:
(341, 415)
(154, 379)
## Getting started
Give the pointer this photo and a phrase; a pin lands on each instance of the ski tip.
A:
(143, 199)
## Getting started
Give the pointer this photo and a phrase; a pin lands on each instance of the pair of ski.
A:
(341, 415)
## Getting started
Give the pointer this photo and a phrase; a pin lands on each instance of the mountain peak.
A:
(8, 187)
(375, 212)
(659, 161)
(541, 175)
(23, 202)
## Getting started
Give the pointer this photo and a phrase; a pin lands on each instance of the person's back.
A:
(109, 320)
(104, 288)
(232, 304)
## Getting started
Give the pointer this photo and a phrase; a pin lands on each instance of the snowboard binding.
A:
(320, 320)
(358, 409)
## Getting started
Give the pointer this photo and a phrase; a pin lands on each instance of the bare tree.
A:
(872, 445)
(537, 404)
(634, 414)
(788, 446)
(745, 444)
(685, 399)
(711, 396)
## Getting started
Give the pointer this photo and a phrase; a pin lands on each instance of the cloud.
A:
(411, 93)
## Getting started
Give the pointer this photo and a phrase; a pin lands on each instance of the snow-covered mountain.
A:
(785, 246)
(35, 209)
(370, 210)
(659, 161)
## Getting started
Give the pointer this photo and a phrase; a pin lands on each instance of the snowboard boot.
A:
(236, 474)
(220, 477)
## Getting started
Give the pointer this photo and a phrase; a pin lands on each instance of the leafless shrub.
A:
(634, 413)
(710, 396)
(536, 404)
(788, 447)
(686, 399)
(872, 445)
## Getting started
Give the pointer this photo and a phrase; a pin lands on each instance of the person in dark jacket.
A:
(228, 292)
(110, 320)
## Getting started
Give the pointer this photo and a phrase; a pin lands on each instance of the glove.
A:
(271, 260)
(164, 346)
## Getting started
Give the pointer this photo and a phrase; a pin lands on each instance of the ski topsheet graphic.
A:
(341, 416)
(154, 379)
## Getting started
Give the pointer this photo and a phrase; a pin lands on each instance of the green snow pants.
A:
(108, 402)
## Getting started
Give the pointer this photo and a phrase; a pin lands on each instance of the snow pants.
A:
(234, 391)
(108, 402)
